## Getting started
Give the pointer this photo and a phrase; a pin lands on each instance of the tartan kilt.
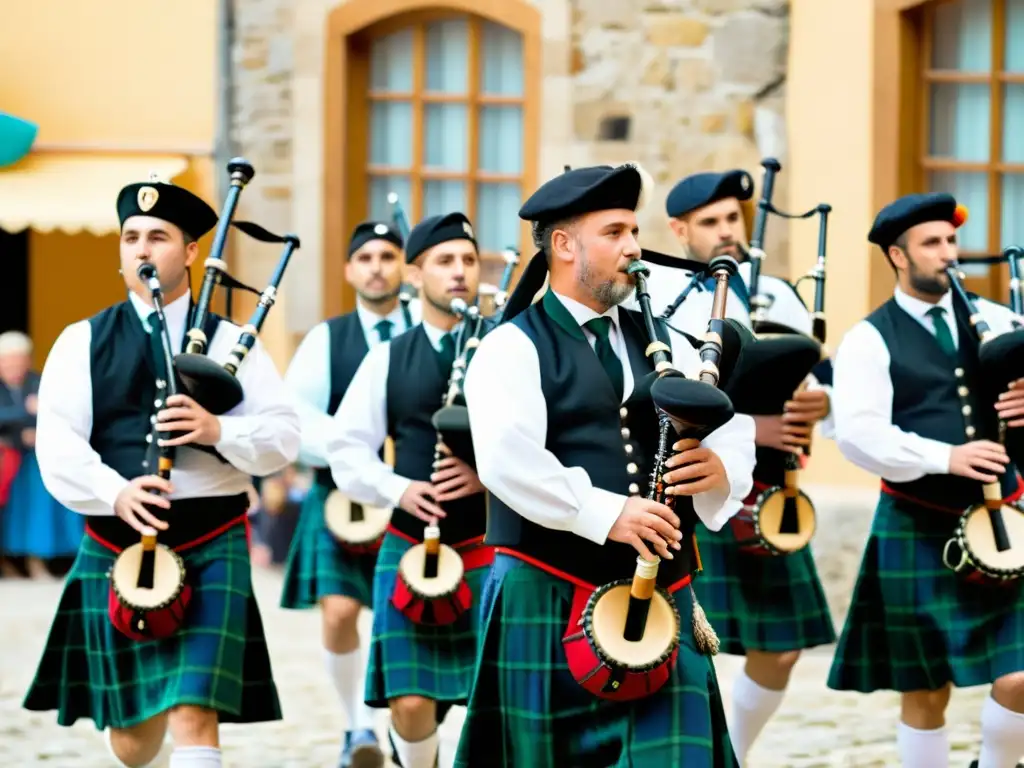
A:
(761, 603)
(318, 565)
(217, 660)
(527, 711)
(914, 625)
(408, 659)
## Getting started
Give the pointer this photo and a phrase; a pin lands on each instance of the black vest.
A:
(347, 348)
(124, 389)
(589, 428)
(416, 386)
(931, 391)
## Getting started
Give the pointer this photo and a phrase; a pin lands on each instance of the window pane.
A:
(501, 61)
(497, 216)
(390, 133)
(380, 188)
(970, 190)
(448, 56)
(1012, 232)
(1013, 123)
(440, 197)
(1014, 36)
(501, 140)
(963, 36)
(391, 62)
(960, 121)
(446, 141)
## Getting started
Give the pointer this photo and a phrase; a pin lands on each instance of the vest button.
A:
(969, 431)
(629, 449)
(161, 384)
(149, 438)
(634, 488)
(959, 373)
(625, 433)
(966, 410)
(623, 413)
(145, 463)
(152, 419)
(158, 403)
(632, 468)
(963, 391)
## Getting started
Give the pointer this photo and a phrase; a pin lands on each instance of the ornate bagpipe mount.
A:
(216, 387)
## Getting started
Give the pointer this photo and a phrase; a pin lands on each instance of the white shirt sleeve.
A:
(734, 444)
(358, 432)
(309, 379)
(261, 435)
(72, 471)
(862, 407)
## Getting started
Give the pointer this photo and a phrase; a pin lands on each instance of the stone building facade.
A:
(677, 85)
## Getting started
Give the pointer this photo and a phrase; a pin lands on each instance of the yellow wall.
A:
(115, 73)
(830, 119)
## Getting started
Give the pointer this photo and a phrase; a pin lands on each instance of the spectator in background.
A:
(277, 513)
(33, 525)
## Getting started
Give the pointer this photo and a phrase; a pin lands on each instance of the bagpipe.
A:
(401, 222)
(989, 535)
(149, 591)
(627, 643)
(431, 588)
(1012, 255)
(499, 293)
(782, 518)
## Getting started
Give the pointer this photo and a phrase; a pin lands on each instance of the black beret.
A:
(372, 230)
(909, 211)
(169, 202)
(435, 230)
(702, 189)
(579, 191)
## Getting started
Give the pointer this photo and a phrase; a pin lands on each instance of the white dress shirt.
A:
(309, 376)
(508, 417)
(665, 284)
(360, 427)
(259, 436)
(863, 392)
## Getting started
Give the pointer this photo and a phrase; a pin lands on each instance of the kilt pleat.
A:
(318, 566)
(915, 625)
(772, 604)
(408, 659)
(526, 710)
(217, 660)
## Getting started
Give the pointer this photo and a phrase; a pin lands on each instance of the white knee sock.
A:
(348, 673)
(752, 708)
(416, 754)
(195, 757)
(922, 749)
(1002, 736)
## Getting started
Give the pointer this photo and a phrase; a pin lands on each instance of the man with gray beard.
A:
(321, 569)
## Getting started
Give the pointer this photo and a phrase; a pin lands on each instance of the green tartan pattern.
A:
(218, 660)
(319, 566)
(757, 603)
(527, 711)
(913, 624)
(408, 659)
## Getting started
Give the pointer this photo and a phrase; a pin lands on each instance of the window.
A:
(445, 126)
(973, 119)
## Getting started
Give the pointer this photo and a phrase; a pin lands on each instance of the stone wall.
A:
(702, 84)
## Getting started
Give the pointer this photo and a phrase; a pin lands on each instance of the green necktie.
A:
(601, 327)
(383, 329)
(447, 352)
(942, 334)
(156, 346)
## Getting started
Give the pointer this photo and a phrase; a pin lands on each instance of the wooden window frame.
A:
(346, 115)
(996, 284)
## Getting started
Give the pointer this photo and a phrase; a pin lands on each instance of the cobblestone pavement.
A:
(815, 727)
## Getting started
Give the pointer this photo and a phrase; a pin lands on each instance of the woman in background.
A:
(33, 525)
